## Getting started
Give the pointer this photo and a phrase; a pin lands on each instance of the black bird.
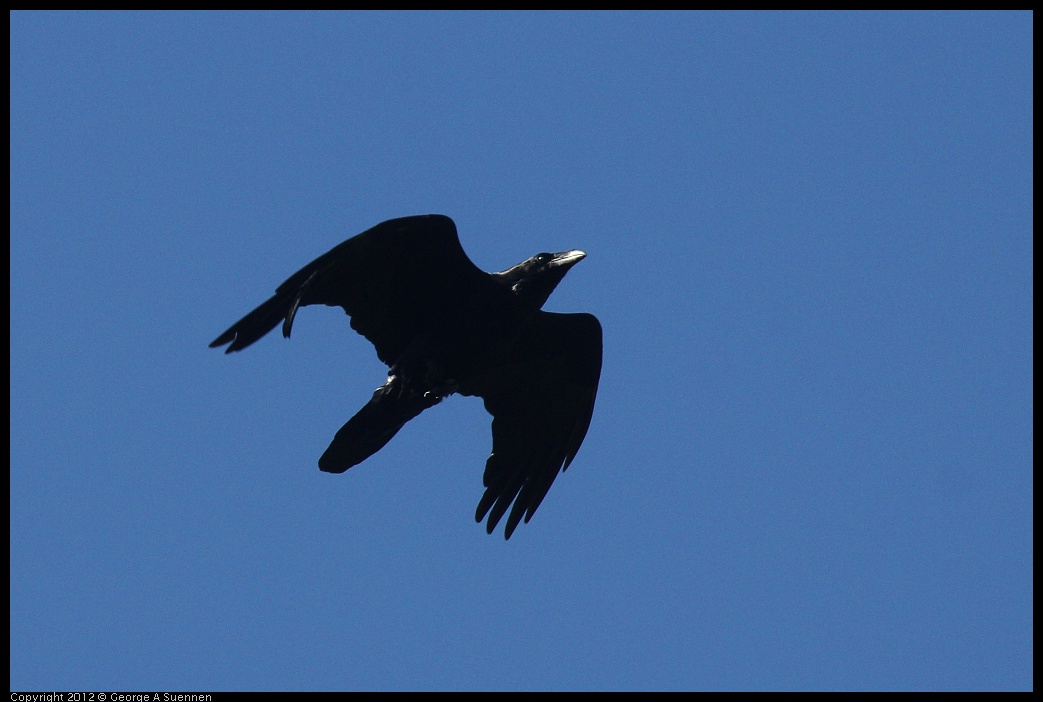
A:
(444, 326)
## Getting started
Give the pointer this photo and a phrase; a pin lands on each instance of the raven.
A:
(442, 326)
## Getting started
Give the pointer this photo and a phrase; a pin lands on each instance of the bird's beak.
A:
(567, 259)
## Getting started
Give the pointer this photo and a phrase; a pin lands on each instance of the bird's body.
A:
(442, 326)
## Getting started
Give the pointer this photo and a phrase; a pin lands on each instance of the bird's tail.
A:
(374, 425)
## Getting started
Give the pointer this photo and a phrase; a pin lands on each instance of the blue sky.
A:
(809, 242)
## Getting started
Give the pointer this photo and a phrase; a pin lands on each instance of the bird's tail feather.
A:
(373, 426)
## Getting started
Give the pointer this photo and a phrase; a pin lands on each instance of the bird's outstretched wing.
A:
(392, 279)
(541, 400)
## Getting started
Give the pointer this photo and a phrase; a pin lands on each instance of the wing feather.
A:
(391, 279)
(541, 399)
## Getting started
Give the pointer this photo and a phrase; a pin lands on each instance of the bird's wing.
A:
(391, 279)
(541, 400)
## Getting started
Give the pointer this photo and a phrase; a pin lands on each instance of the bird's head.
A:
(535, 278)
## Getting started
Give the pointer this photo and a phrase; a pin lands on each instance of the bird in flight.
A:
(444, 326)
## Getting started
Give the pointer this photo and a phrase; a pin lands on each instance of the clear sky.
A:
(809, 242)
